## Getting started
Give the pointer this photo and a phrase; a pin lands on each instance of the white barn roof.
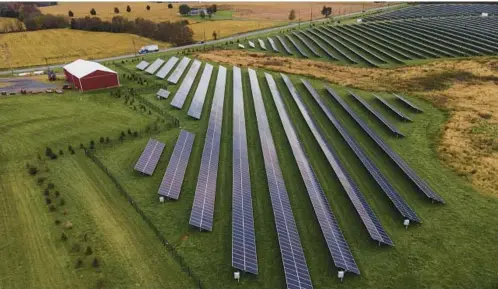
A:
(81, 68)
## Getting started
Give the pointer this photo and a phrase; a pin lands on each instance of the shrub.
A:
(61, 152)
(79, 263)
(116, 10)
(63, 236)
(93, 12)
(76, 248)
(72, 152)
(95, 263)
(57, 194)
(69, 148)
(48, 152)
(82, 146)
(135, 134)
(148, 7)
(46, 192)
(123, 134)
(53, 156)
(62, 202)
(70, 13)
(101, 140)
(129, 131)
(33, 171)
(170, 6)
(88, 251)
(52, 208)
(40, 180)
(92, 144)
(57, 222)
(48, 200)
(128, 8)
(50, 186)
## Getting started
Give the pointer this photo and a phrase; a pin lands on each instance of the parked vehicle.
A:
(67, 86)
(148, 49)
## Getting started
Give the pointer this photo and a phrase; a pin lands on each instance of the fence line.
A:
(177, 257)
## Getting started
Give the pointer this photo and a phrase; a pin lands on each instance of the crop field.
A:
(25, 49)
(9, 24)
(380, 44)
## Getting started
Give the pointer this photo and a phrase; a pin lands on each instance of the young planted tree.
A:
(170, 6)
(148, 7)
(101, 140)
(88, 251)
(214, 8)
(95, 263)
(203, 15)
(92, 144)
(116, 10)
(215, 35)
(184, 9)
(292, 15)
(70, 13)
(128, 8)
(93, 12)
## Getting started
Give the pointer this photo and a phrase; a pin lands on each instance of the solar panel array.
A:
(284, 45)
(178, 72)
(273, 44)
(167, 67)
(195, 109)
(384, 121)
(294, 262)
(317, 43)
(400, 204)
(205, 192)
(337, 245)
(171, 184)
(150, 157)
(306, 44)
(142, 65)
(423, 186)
(366, 214)
(163, 93)
(243, 237)
(154, 66)
(184, 89)
(297, 46)
(392, 108)
(406, 102)
(262, 44)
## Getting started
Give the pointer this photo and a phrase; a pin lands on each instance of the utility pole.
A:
(134, 48)
(299, 25)
(311, 13)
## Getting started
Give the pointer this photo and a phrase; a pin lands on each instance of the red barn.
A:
(88, 75)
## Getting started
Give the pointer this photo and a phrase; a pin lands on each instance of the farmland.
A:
(337, 163)
(34, 48)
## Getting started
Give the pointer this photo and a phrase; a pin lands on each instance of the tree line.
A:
(174, 32)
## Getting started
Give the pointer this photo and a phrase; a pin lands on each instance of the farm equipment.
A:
(51, 75)
(148, 49)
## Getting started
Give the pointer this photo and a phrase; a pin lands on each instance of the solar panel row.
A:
(298, 47)
(205, 192)
(167, 67)
(178, 72)
(366, 214)
(284, 45)
(262, 44)
(243, 237)
(392, 108)
(305, 42)
(251, 44)
(142, 65)
(184, 89)
(150, 157)
(294, 262)
(273, 44)
(423, 186)
(163, 93)
(195, 109)
(171, 184)
(400, 204)
(406, 102)
(317, 43)
(337, 245)
(154, 66)
(384, 121)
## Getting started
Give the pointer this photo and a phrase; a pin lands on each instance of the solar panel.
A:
(178, 72)
(298, 47)
(167, 67)
(150, 157)
(284, 45)
(262, 44)
(400, 204)
(366, 214)
(142, 65)
(195, 109)
(205, 192)
(273, 44)
(317, 43)
(409, 104)
(423, 186)
(337, 245)
(336, 47)
(251, 44)
(392, 108)
(243, 237)
(163, 93)
(294, 262)
(384, 121)
(184, 89)
(171, 184)
(307, 44)
(154, 66)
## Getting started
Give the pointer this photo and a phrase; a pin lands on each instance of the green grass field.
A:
(454, 247)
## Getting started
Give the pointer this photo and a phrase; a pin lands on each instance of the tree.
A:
(48, 152)
(128, 8)
(116, 10)
(63, 236)
(95, 263)
(92, 144)
(215, 35)
(210, 15)
(292, 15)
(88, 251)
(101, 139)
(148, 7)
(70, 13)
(326, 11)
(203, 14)
(184, 9)
(214, 8)
(93, 12)
(170, 6)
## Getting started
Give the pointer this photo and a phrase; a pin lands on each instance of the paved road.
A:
(211, 42)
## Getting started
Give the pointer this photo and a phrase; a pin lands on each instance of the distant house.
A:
(197, 11)
(88, 75)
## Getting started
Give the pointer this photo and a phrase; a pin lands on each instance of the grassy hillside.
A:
(26, 49)
(33, 253)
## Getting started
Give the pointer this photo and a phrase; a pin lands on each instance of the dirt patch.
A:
(466, 88)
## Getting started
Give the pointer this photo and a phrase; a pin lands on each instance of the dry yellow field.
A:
(225, 28)
(8, 24)
(65, 45)
(466, 88)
